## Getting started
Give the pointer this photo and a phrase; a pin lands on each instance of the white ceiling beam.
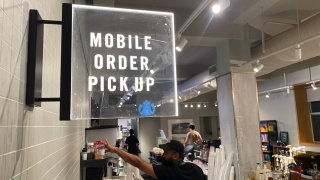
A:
(254, 11)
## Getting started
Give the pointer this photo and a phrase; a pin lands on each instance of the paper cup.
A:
(84, 156)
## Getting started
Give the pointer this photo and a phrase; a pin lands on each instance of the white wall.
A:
(34, 144)
(281, 106)
(195, 113)
(149, 131)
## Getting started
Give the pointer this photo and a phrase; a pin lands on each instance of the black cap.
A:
(174, 145)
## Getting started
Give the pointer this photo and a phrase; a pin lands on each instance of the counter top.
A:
(93, 163)
(102, 127)
(130, 172)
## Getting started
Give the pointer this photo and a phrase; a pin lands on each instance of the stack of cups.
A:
(84, 155)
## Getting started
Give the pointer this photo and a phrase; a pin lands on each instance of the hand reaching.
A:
(110, 148)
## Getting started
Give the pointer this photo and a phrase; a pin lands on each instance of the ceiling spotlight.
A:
(205, 105)
(297, 52)
(268, 95)
(135, 105)
(183, 42)
(209, 85)
(216, 104)
(216, 8)
(152, 71)
(313, 85)
(220, 5)
(171, 100)
(191, 105)
(199, 106)
(288, 90)
(198, 92)
(180, 97)
(258, 67)
(186, 105)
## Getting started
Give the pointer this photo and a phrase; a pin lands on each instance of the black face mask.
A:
(166, 162)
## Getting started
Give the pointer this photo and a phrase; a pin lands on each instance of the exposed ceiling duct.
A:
(202, 82)
(281, 50)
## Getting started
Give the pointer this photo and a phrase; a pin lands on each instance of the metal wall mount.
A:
(35, 59)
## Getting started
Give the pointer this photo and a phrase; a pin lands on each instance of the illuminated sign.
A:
(122, 63)
(108, 62)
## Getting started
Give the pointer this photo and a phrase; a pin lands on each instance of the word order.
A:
(113, 85)
(132, 42)
(123, 61)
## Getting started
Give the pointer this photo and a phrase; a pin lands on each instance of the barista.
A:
(133, 143)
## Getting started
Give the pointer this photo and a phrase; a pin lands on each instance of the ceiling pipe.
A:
(192, 17)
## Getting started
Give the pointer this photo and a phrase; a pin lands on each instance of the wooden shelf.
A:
(268, 134)
(310, 144)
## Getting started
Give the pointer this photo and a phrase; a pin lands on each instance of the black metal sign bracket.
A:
(35, 61)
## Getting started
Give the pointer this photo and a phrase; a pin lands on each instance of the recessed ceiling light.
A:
(186, 105)
(199, 106)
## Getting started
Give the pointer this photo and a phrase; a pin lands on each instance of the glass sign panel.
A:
(122, 64)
